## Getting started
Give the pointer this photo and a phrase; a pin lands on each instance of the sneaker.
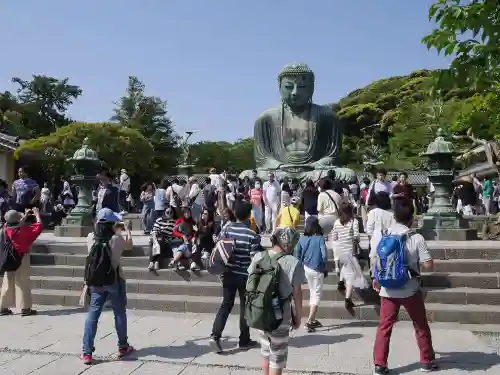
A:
(151, 266)
(349, 304)
(28, 312)
(315, 323)
(194, 267)
(123, 212)
(248, 344)
(379, 370)
(430, 367)
(309, 327)
(87, 359)
(156, 266)
(205, 255)
(123, 352)
(5, 312)
(216, 345)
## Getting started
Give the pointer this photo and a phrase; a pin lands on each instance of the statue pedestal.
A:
(446, 227)
(79, 222)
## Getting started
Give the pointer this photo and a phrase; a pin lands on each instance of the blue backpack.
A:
(391, 270)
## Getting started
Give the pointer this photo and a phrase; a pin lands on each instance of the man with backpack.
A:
(16, 238)
(401, 255)
(275, 280)
(246, 244)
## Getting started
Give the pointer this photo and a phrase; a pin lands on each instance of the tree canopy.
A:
(107, 139)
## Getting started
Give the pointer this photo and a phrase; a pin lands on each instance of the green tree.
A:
(469, 31)
(233, 157)
(42, 103)
(117, 147)
(148, 115)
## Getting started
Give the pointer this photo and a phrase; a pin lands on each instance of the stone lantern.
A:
(442, 222)
(86, 164)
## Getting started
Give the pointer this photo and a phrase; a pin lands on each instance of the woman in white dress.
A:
(345, 235)
(380, 218)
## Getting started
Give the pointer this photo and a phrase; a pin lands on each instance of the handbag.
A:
(357, 250)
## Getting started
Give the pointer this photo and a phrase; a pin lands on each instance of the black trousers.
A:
(232, 284)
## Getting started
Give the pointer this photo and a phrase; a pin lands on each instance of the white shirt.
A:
(215, 179)
(124, 182)
(377, 187)
(170, 194)
(378, 221)
(195, 190)
(325, 203)
(272, 192)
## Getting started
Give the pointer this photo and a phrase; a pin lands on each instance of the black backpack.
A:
(99, 270)
(10, 259)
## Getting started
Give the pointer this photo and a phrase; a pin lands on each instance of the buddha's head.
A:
(296, 84)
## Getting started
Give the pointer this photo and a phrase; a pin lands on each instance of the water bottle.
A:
(277, 309)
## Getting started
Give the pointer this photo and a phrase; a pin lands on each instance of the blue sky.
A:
(214, 61)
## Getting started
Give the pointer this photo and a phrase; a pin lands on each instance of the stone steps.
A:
(459, 295)
(436, 279)
(437, 312)
(465, 287)
(441, 265)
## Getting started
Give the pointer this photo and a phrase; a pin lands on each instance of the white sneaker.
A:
(205, 255)
(123, 212)
(151, 266)
(194, 267)
(157, 266)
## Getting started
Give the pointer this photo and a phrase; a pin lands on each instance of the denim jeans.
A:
(98, 296)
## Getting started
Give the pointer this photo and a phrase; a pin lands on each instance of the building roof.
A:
(8, 141)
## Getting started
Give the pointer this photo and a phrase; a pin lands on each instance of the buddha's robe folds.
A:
(312, 140)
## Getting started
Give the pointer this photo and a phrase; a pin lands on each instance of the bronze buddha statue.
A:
(298, 139)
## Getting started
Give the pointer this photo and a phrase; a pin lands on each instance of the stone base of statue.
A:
(304, 172)
(73, 228)
(446, 227)
(79, 222)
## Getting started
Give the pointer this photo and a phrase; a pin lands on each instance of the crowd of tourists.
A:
(189, 223)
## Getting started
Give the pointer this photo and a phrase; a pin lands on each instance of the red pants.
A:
(389, 310)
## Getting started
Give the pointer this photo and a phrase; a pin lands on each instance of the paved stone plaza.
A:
(177, 344)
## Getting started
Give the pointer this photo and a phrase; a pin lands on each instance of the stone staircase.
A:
(465, 287)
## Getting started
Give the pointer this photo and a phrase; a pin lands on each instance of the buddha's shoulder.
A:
(270, 114)
(324, 111)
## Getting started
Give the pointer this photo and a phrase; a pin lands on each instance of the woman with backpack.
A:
(104, 279)
(311, 251)
(345, 236)
(18, 235)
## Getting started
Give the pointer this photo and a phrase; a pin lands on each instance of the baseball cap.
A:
(13, 217)
(107, 215)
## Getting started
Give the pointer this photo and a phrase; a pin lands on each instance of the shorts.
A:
(274, 346)
(185, 249)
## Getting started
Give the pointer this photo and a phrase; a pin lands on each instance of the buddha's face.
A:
(296, 91)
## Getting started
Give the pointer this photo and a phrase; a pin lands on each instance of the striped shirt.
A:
(247, 243)
(164, 228)
(344, 235)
